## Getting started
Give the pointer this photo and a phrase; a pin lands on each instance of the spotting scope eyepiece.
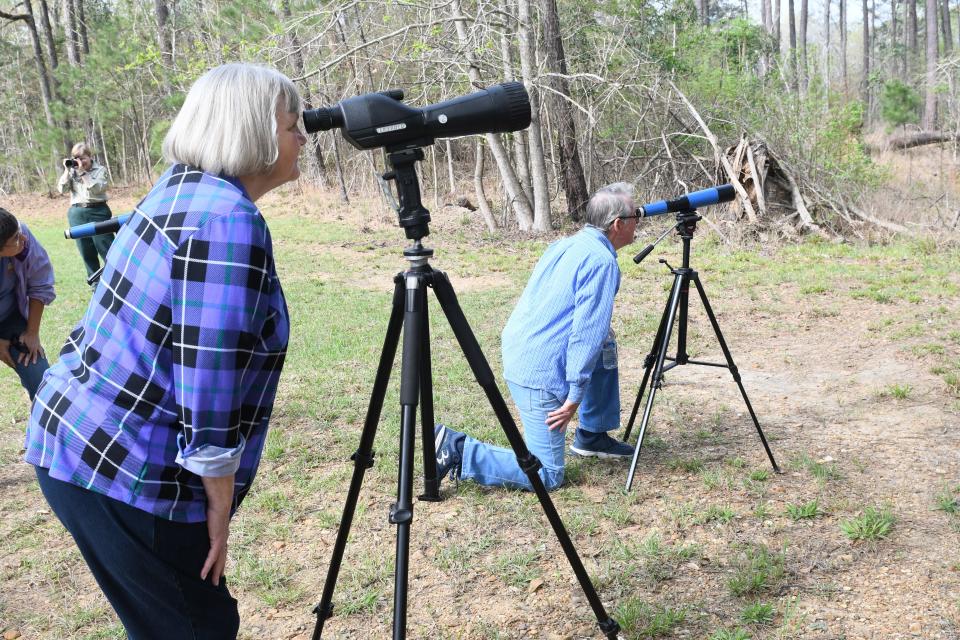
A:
(690, 201)
(375, 120)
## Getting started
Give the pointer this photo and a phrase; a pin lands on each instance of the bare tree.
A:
(42, 74)
(571, 169)
(945, 28)
(865, 80)
(826, 46)
(930, 101)
(518, 200)
(793, 44)
(843, 44)
(911, 36)
(538, 165)
(164, 40)
(804, 11)
(776, 25)
(70, 33)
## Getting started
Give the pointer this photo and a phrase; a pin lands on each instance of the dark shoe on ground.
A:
(449, 448)
(599, 445)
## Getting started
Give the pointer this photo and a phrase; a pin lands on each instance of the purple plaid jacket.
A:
(172, 372)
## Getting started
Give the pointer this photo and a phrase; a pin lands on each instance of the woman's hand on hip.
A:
(219, 500)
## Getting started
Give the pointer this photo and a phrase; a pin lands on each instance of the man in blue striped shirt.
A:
(559, 355)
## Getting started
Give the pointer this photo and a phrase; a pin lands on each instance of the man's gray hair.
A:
(608, 203)
(228, 122)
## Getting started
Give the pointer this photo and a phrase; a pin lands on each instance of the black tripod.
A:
(410, 312)
(677, 304)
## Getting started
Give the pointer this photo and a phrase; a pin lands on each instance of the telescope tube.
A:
(703, 198)
(96, 228)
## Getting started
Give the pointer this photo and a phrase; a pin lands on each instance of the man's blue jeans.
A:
(497, 466)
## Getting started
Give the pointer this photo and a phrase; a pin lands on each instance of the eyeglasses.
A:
(637, 214)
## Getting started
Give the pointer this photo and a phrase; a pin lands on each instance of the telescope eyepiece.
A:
(322, 119)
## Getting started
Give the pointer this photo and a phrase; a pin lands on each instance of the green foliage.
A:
(899, 104)
(756, 569)
(874, 524)
(730, 634)
(758, 613)
(803, 511)
(641, 620)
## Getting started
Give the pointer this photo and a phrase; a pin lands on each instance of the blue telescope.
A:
(704, 198)
(96, 228)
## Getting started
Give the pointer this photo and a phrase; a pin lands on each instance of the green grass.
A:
(639, 619)
(803, 511)
(756, 570)
(948, 501)
(896, 391)
(758, 613)
(875, 523)
(730, 634)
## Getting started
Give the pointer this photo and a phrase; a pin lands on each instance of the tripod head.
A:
(686, 226)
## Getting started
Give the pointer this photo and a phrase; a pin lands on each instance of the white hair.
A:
(228, 122)
(608, 203)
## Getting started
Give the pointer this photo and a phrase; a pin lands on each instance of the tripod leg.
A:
(431, 483)
(669, 315)
(647, 367)
(733, 368)
(363, 458)
(401, 514)
(527, 461)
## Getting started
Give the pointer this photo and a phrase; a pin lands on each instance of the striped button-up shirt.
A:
(554, 336)
(172, 372)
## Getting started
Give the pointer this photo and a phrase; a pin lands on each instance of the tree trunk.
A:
(521, 157)
(843, 45)
(296, 53)
(895, 61)
(930, 102)
(945, 27)
(518, 200)
(42, 75)
(776, 25)
(538, 164)
(765, 16)
(70, 35)
(804, 11)
(48, 35)
(792, 22)
(82, 28)
(702, 11)
(571, 168)
(478, 187)
(911, 35)
(163, 30)
(826, 48)
(865, 80)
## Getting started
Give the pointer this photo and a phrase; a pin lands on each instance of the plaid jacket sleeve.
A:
(220, 286)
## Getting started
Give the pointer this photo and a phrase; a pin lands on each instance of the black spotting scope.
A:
(375, 120)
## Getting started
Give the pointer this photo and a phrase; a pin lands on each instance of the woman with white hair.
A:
(147, 433)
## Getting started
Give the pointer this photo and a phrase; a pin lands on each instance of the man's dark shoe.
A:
(449, 448)
(599, 445)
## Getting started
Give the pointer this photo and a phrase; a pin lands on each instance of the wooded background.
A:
(653, 92)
